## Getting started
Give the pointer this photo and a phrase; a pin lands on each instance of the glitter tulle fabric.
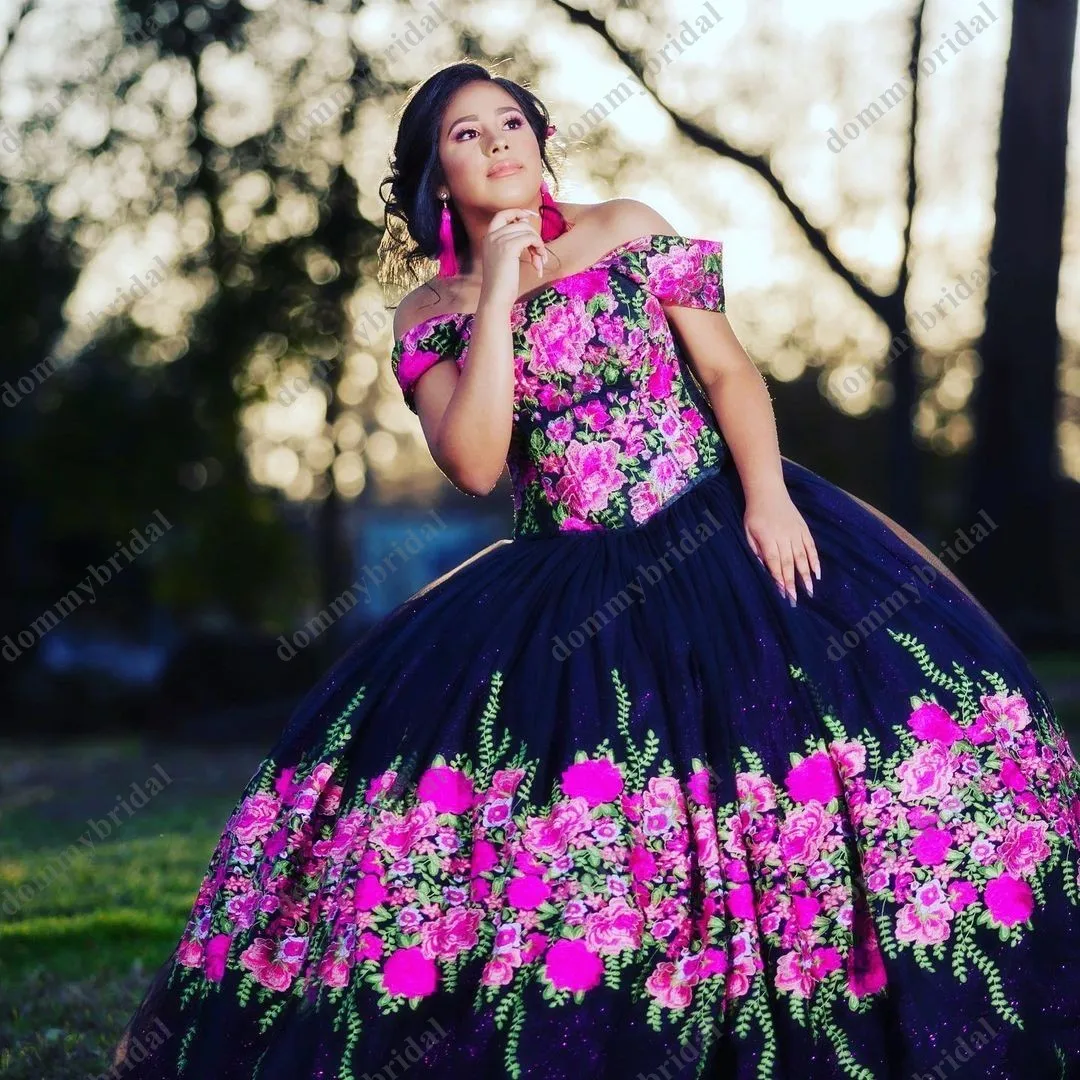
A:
(600, 802)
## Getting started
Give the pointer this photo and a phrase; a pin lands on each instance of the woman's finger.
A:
(787, 562)
(510, 214)
(752, 541)
(802, 564)
(812, 553)
(537, 251)
(776, 565)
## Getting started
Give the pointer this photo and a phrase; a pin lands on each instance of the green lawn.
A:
(78, 952)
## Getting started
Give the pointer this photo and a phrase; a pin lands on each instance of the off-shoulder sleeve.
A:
(421, 348)
(678, 270)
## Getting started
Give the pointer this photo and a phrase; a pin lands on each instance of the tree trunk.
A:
(905, 481)
(1014, 466)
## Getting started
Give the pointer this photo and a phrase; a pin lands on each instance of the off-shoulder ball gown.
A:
(600, 802)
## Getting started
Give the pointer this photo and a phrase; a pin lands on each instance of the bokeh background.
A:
(202, 447)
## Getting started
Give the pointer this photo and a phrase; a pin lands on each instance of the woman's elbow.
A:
(480, 488)
(473, 483)
(465, 474)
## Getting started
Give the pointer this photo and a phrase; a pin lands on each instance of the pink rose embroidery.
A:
(813, 778)
(451, 791)
(931, 722)
(274, 963)
(570, 965)
(528, 891)
(614, 929)
(1008, 899)
(256, 817)
(931, 846)
(595, 781)
(409, 973)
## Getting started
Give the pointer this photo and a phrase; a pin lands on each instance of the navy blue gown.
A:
(601, 802)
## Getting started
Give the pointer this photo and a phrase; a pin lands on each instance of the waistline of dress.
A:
(586, 535)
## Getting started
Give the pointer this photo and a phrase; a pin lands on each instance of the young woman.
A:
(710, 770)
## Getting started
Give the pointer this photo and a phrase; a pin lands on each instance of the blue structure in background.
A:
(399, 551)
(395, 553)
(218, 680)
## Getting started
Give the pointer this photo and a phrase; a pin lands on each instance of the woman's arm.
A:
(775, 530)
(470, 413)
(738, 395)
(737, 392)
(467, 415)
(740, 400)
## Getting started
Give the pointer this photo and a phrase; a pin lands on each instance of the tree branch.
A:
(881, 305)
(912, 185)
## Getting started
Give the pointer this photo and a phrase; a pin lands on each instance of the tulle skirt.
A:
(605, 804)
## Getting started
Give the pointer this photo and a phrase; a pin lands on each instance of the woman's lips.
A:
(503, 170)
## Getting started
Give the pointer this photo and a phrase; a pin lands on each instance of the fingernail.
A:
(791, 600)
(810, 587)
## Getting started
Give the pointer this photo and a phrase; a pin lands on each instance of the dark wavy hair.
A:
(413, 210)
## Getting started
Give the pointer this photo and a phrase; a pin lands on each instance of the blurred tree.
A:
(1015, 475)
(272, 257)
(108, 438)
(35, 271)
(137, 421)
(905, 503)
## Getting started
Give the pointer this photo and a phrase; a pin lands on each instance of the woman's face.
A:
(483, 128)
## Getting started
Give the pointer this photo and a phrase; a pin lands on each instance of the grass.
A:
(79, 945)
(78, 952)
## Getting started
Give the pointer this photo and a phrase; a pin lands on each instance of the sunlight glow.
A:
(774, 80)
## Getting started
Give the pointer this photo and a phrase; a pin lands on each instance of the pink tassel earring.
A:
(552, 223)
(448, 264)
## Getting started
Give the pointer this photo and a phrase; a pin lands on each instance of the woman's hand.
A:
(509, 234)
(778, 536)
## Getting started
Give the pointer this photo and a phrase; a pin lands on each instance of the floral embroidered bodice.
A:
(610, 424)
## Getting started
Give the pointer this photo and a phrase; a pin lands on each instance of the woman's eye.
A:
(517, 121)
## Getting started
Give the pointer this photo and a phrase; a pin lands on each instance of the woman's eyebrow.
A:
(473, 116)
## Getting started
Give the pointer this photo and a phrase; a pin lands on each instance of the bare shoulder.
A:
(621, 220)
(414, 307)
